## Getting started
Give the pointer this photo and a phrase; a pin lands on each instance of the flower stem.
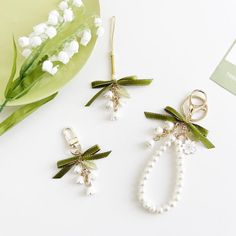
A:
(3, 105)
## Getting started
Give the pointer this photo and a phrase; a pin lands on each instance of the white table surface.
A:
(179, 44)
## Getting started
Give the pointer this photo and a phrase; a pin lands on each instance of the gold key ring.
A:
(195, 105)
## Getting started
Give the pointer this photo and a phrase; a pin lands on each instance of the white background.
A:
(179, 44)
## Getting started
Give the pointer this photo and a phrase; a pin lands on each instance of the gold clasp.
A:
(194, 107)
(72, 140)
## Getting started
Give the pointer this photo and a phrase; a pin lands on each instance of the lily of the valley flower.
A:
(68, 15)
(48, 30)
(98, 25)
(48, 67)
(86, 37)
(64, 56)
(77, 3)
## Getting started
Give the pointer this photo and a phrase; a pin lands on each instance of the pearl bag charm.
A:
(114, 90)
(181, 133)
(82, 162)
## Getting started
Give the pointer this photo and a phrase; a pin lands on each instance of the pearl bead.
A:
(172, 138)
(169, 125)
(160, 210)
(150, 143)
(163, 148)
(166, 208)
(168, 143)
(159, 153)
(178, 142)
(158, 131)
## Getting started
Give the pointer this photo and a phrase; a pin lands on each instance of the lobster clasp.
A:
(72, 141)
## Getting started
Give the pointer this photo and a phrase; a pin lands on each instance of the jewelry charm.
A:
(82, 162)
(180, 132)
(114, 90)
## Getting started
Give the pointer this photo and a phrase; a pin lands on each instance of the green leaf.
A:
(123, 92)
(30, 63)
(94, 149)
(101, 84)
(137, 82)
(68, 161)
(199, 136)
(89, 165)
(96, 96)
(156, 116)
(96, 156)
(13, 70)
(22, 113)
(62, 172)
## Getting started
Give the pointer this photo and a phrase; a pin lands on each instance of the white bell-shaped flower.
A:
(91, 191)
(63, 57)
(53, 17)
(74, 46)
(98, 22)
(51, 32)
(108, 94)
(100, 31)
(86, 37)
(35, 41)
(63, 5)
(39, 29)
(47, 66)
(77, 3)
(24, 41)
(68, 15)
(54, 70)
(26, 52)
(80, 180)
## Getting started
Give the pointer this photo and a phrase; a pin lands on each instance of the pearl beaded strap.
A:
(145, 202)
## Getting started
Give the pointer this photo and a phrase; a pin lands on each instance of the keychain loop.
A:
(190, 108)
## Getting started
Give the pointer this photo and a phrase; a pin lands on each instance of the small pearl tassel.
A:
(145, 202)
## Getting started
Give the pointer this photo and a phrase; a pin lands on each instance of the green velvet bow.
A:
(89, 155)
(126, 81)
(199, 132)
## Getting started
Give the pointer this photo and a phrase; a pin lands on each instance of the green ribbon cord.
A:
(89, 155)
(199, 132)
(126, 81)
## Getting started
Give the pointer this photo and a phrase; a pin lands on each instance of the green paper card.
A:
(225, 73)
